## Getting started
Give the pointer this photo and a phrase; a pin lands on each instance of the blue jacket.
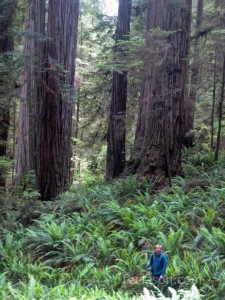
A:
(158, 264)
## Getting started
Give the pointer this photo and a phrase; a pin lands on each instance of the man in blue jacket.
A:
(157, 265)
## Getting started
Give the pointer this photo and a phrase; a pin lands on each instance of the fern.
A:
(173, 241)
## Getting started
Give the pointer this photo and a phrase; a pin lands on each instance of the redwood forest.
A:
(112, 142)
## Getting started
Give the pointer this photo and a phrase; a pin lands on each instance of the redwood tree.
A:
(220, 110)
(7, 10)
(45, 124)
(56, 104)
(115, 162)
(160, 126)
(26, 153)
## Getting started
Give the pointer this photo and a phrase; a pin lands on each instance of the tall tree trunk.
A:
(45, 121)
(220, 110)
(115, 162)
(160, 127)
(26, 152)
(213, 106)
(7, 10)
(194, 79)
(56, 104)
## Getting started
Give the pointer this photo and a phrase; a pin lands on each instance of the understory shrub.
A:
(95, 243)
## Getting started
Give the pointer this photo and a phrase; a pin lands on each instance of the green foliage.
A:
(31, 194)
(201, 160)
(215, 241)
(85, 244)
(173, 241)
(5, 163)
(95, 241)
(56, 244)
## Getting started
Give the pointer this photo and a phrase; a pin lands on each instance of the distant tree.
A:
(160, 126)
(194, 77)
(220, 110)
(93, 86)
(7, 14)
(115, 162)
(45, 122)
(208, 62)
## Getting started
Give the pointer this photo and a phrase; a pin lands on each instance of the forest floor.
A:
(93, 242)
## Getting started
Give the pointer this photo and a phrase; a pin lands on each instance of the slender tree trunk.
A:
(76, 131)
(194, 80)
(7, 12)
(57, 102)
(213, 107)
(115, 162)
(160, 126)
(220, 111)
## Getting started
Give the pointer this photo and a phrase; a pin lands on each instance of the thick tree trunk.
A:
(7, 10)
(45, 121)
(115, 162)
(26, 153)
(57, 101)
(160, 127)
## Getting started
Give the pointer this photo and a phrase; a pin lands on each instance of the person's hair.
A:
(159, 245)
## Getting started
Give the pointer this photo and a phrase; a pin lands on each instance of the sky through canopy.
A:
(110, 7)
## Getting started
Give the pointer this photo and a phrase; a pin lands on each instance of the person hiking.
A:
(157, 265)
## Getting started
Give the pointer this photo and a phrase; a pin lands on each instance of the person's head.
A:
(158, 248)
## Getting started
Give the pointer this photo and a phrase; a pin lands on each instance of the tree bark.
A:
(213, 106)
(160, 127)
(220, 110)
(56, 104)
(26, 150)
(45, 121)
(115, 162)
(7, 13)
